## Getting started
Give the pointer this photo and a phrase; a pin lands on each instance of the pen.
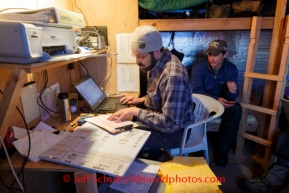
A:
(125, 128)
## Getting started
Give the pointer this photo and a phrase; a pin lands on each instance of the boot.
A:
(273, 180)
(221, 158)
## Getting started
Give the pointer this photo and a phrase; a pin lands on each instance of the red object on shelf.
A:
(9, 138)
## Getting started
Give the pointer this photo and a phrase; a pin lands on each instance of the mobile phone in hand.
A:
(230, 102)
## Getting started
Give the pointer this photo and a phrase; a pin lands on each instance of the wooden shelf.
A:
(36, 67)
(206, 24)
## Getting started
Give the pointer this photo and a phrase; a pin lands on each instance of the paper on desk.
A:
(29, 102)
(110, 126)
(41, 140)
(138, 178)
(196, 161)
(19, 132)
(63, 57)
(49, 99)
(192, 171)
(43, 127)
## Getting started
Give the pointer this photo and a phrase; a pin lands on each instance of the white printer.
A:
(30, 42)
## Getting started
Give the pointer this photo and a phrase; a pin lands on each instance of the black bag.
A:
(276, 176)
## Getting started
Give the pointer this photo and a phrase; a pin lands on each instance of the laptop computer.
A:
(96, 98)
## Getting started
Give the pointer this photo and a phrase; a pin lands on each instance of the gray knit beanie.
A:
(146, 39)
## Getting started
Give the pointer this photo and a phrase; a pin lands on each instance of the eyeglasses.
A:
(139, 57)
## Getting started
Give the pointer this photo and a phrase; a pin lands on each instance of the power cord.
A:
(83, 12)
(25, 159)
(39, 98)
(9, 161)
(83, 68)
(105, 80)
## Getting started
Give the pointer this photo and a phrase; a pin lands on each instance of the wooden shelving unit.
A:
(206, 24)
(17, 77)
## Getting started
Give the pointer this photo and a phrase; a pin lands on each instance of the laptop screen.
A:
(90, 92)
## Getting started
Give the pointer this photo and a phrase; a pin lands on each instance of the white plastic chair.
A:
(197, 141)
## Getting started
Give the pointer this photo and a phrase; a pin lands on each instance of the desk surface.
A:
(41, 165)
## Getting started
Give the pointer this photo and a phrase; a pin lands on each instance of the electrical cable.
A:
(82, 12)
(99, 31)
(39, 98)
(83, 39)
(70, 80)
(45, 78)
(84, 68)
(105, 80)
(5, 185)
(83, 36)
(9, 161)
(28, 152)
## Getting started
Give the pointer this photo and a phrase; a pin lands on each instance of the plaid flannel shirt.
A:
(169, 105)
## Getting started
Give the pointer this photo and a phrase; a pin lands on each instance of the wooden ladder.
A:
(279, 78)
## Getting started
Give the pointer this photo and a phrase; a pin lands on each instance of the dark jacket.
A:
(204, 82)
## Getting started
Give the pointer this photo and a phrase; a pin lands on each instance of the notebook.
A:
(96, 98)
(285, 104)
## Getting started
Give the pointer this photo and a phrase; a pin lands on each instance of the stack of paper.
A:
(188, 173)
(49, 15)
(41, 138)
(138, 178)
(110, 126)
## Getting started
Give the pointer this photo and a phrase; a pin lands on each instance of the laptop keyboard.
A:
(109, 104)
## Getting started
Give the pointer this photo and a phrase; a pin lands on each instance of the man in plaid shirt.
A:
(168, 103)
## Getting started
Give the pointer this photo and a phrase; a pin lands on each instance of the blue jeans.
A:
(159, 139)
(229, 127)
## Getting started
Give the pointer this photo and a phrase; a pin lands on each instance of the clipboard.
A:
(110, 126)
(116, 130)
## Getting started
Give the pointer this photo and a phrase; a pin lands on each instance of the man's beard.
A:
(152, 64)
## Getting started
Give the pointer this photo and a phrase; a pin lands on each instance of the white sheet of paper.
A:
(43, 127)
(40, 141)
(49, 98)
(29, 103)
(82, 55)
(127, 78)
(19, 132)
(138, 178)
(102, 122)
(123, 48)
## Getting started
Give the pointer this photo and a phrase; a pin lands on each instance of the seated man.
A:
(168, 103)
(217, 77)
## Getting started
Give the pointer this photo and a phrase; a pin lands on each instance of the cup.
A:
(63, 100)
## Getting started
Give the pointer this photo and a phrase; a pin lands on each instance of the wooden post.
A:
(10, 98)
